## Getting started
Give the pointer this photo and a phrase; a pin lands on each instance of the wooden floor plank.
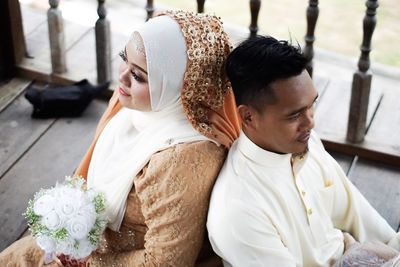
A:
(18, 132)
(384, 132)
(11, 90)
(38, 40)
(344, 161)
(82, 58)
(331, 115)
(118, 44)
(321, 84)
(380, 184)
(31, 19)
(54, 155)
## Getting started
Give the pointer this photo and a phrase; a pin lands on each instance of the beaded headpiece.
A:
(205, 83)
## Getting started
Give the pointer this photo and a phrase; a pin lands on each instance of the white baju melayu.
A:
(269, 209)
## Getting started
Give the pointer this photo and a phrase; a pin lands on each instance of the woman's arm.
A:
(174, 193)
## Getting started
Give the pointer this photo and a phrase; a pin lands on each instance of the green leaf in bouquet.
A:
(97, 230)
(38, 228)
(75, 181)
(30, 215)
(60, 234)
(99, 203)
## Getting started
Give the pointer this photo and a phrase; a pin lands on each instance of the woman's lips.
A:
(304, 138)
(123, 92)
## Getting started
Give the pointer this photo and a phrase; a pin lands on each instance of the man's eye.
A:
(294, 116)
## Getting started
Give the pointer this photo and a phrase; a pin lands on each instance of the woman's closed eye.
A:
(137, 77)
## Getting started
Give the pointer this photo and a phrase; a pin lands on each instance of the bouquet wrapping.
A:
(67, 219)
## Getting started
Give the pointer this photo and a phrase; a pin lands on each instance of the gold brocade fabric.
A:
(164, 223)
(205, 84)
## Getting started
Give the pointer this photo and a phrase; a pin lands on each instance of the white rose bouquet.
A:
(67, 219)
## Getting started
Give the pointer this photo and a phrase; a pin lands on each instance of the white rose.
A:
(65, 246)
(84, 249)
(52, 221)
(69, 201)
(79, 226)
(44, 205)
(46, 243)
(89, 212)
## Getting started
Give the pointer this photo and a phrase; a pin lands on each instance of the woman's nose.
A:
(124, 76)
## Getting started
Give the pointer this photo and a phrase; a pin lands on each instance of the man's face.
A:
(285, 126)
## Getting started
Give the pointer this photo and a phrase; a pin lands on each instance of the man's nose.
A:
(308, 123)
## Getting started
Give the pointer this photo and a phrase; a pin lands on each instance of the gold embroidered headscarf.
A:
(206, 95)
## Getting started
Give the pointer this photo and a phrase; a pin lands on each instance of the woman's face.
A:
(133, 80)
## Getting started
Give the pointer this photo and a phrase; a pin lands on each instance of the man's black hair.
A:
(256, 63)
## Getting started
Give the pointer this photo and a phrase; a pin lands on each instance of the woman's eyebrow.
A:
(135, 65)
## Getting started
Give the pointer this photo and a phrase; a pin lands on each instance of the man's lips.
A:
(123, 92)
(304, 138)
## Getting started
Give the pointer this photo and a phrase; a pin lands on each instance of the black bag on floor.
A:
(62, 101)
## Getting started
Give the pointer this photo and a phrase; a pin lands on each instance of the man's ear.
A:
(247, 114)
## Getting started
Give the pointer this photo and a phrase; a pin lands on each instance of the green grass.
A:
(339, 26)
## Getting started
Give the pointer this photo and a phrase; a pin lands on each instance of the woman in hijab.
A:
(159, 146)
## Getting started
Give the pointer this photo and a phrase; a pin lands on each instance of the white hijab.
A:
(132, 137)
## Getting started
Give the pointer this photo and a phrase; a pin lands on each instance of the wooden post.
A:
(149, 9)
(56, 38)
(312, 16)
(103, 45)
(361, 86)
(18, 38)
(254, 10)
(7, 60)
(200, 6)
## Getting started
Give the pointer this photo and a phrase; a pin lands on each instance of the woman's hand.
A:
(55, 263)
(70, 262)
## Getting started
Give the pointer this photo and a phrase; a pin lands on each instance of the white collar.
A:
(267, 158)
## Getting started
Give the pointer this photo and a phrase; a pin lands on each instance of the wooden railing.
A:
(56, 37)
(103, 45)
(361, 80)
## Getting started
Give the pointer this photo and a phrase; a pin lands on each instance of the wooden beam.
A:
(365, 150)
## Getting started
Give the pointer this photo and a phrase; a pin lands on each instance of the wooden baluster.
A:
(103, 45)
(312, 16)
(200, 6)
(254, 10)
(56, 38)
(362, 79)
(149, 9)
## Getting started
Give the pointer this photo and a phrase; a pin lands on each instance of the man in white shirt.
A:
(281, 200)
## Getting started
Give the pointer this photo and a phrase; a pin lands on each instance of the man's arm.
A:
(353, 213)
(247, 237)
